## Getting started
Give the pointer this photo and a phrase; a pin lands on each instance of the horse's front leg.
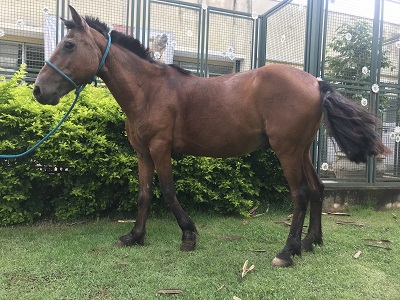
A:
(146, 173)
(161, 155)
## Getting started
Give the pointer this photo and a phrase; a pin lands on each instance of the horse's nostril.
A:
(36, 91)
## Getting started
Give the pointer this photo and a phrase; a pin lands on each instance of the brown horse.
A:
(170, 111)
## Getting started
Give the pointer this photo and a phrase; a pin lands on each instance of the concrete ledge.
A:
(338, 196)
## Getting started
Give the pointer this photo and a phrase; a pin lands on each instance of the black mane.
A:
(128, 42)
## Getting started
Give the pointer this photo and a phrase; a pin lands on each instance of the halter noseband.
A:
(79, 88)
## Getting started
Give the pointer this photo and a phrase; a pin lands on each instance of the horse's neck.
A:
(124, 75)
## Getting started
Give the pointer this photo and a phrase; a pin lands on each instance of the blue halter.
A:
(78, 90)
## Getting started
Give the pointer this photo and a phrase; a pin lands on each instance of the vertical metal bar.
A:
(144, 22)
(132, 17)
(62, 15)
(262, 41)
(148, 25)
(396, 170)
(207, 27)
(68, 4)
(57, 23)
(325, 30)
(375, 64)
(254, 43)
(23, 53)
(322, 141)
(138, 20)
(203, 25)
(127, 18)
(312, 52)
(314, 21)
(380, 46)
(199, 44)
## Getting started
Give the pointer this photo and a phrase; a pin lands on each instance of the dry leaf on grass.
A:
(284, 223)
(377, 241)
(236, 298)
(379, 247)
(221, 287)
(259, 215)
(350, 223)
(251, 211)
(169, 291)
(357, 255)
(121, 263)
(337, 214)
(245, 269)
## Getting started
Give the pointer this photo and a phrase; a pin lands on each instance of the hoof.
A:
(188, 246)
(188, 241)
(119, 244)
(278, 262)
(129, 240)
(307, 246)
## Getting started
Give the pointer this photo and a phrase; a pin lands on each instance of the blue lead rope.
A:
(78, 90)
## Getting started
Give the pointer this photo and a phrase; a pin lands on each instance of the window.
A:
(13, 54)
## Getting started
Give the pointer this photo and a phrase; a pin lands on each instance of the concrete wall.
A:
(381, 196)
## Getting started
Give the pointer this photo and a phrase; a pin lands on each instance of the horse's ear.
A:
(68, 23)
(79, 22)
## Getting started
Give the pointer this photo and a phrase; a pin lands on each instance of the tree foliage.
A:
(352, 48)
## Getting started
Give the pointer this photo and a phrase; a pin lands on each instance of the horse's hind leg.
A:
(146, 173)
(293, 168)
(314, 234)
(162, 159)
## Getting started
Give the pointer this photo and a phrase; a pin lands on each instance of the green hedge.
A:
(88, 169)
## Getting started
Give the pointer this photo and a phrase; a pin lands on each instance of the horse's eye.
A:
(69, 46)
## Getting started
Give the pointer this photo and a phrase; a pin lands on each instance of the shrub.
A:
(88, 169)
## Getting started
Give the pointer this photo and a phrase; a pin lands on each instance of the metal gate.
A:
(355, 45)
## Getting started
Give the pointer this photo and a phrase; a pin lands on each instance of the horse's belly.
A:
(215, 145)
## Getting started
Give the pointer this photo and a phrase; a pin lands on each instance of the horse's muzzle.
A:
(43, 99)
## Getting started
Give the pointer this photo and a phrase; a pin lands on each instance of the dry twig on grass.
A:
(350, 223)
(245, 269)
(379, 247)
(169, 291)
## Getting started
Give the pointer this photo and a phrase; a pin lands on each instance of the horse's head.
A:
(77, 55)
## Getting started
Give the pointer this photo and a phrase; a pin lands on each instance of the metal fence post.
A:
(262, 41)
(313, 44)
(313, 52)
(374, 76)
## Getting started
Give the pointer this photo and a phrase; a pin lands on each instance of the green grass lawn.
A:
(61, 261)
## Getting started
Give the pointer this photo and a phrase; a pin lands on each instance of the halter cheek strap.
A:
(79, 88)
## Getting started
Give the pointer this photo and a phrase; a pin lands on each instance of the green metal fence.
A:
(353, 45)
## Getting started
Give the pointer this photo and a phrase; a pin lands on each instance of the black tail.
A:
(353, 127)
